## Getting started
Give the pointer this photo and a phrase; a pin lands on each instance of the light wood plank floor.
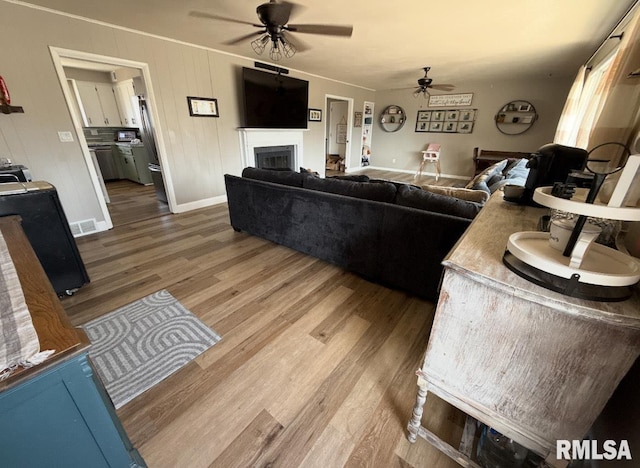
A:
(316, 366)
(131, 202)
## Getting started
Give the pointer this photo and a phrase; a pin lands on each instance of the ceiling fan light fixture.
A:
(275, 53)
(259, 44)
(288, 49)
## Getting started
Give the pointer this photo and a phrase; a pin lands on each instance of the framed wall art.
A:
(315, 115)
(446, 121)
(202, 107)
(357, 120)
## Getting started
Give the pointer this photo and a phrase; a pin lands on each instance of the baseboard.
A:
(184, 207)
(406, 171)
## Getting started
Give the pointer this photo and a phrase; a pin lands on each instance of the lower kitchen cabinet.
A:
(135, 163)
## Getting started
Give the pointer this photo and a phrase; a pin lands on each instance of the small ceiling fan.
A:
(425, 83)
(275, 29)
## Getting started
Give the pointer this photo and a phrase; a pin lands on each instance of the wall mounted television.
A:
(274, 101)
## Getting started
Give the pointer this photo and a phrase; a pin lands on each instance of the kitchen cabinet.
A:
(127, 100)
(135, 163)
(98, 104)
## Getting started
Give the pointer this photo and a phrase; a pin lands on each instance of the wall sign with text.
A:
(449, 100)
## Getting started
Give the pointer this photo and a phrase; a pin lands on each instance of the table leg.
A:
(416, 418)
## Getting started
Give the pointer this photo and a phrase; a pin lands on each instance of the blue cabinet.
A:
(55, 414)
(63, 417)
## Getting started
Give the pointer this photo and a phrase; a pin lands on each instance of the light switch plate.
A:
(65, 137)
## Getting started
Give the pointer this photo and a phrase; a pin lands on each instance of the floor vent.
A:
(82, 228)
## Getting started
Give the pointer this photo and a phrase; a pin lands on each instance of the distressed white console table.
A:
(536, 365)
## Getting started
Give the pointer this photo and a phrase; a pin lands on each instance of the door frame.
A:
(57, 54)
(347, 149)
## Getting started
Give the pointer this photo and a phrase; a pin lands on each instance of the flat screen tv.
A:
(274, 101)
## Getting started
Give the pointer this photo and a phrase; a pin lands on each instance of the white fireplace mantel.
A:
(251, 138)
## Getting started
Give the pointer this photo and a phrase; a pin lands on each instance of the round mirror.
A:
(392, 118)
(516, 117)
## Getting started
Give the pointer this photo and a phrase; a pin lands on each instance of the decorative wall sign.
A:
(357, 121)
(446, 120)
(450, 100)
(202, 107)
(315, 115)
(341, 134)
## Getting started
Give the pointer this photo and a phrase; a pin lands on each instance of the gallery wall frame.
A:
(446, 121)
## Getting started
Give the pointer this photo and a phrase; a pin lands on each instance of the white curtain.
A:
(602, 105)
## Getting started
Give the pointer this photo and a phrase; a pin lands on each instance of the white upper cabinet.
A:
(126, 98)
(98, 104)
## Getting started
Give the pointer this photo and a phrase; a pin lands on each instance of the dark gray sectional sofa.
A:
(386, 232)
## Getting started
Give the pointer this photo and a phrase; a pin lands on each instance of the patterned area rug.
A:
(140, 344)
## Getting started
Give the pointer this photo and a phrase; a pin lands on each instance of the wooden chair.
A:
(430, 155)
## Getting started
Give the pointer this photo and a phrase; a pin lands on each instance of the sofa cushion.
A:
(424, 200)
(478, 196)
(286, 177)
(383, 192)
(491, 171)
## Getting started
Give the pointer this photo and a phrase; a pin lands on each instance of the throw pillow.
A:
(478, 196)
(437, 203)
(518, 170)
(489, 172)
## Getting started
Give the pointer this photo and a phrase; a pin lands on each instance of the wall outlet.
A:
(65, 137)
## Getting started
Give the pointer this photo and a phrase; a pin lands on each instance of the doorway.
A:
(132, 195)
(338, 128)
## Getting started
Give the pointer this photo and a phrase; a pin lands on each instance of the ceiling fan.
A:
(425, 83)
(276, 30)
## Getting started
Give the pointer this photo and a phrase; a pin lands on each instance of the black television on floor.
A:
(274, 101)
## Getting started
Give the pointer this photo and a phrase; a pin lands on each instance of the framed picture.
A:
(524, 107)
(422, 126)
(202, 107)
(357, 120)
(424, 116)
(467, 115)
(450, 127)
(452, 116)
(315, 115)
(437, 116)
(465, 127)
(435, 127)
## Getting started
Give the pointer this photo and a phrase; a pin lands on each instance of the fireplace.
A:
(275, 157)
(271, 148)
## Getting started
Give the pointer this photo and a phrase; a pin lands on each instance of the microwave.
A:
(126, 135)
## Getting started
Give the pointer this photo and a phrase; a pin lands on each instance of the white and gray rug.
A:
(140, 344)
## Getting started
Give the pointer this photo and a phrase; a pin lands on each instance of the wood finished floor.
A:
(131, 202)
(316, 366)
